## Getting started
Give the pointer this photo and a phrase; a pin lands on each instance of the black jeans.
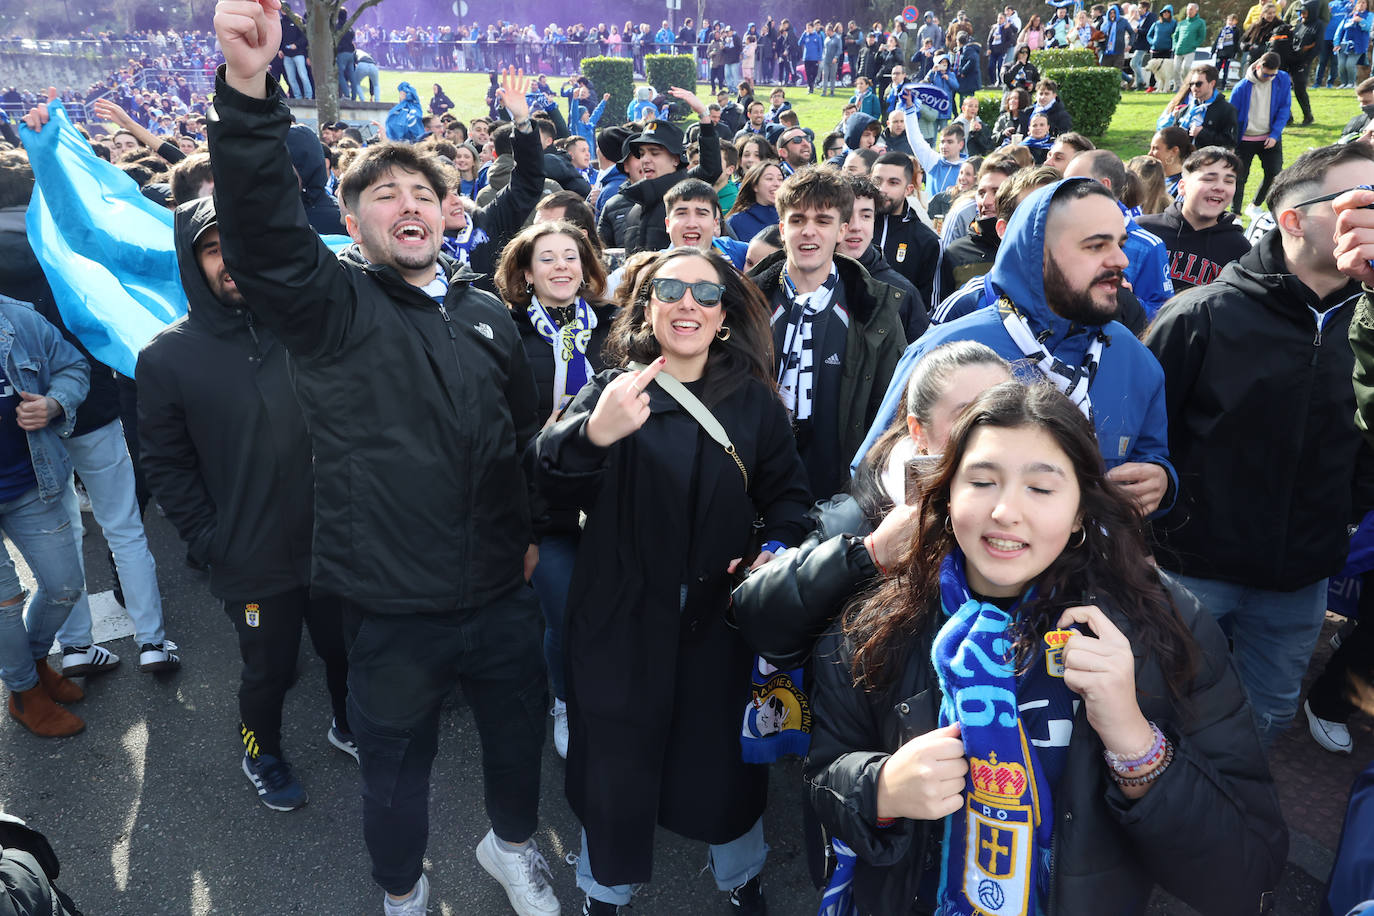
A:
(269, 631)
(812, 67)
(401, 667)
(1271, 160)
(1299, 77)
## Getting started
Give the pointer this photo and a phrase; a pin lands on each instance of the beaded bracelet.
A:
(1152, 775)
(1124, 764)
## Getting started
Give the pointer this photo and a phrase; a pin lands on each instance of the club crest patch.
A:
(250, 615)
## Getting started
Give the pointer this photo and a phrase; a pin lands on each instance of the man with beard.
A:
(1050, 299)
(795, 147)
(1148, 270)
(910, 246)
(419, 402)
(209, 385)
(1257, 369)
(1200, 232)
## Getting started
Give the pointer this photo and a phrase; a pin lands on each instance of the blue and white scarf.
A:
(571, 368)
(460, 246)
(997, 847)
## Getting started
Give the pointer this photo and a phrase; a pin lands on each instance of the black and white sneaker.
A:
(748, 898)
(592, 907)
(83, 661)
(153, 659)
(343, 740)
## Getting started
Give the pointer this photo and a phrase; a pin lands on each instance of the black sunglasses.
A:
(1326, 197)
(671, 289)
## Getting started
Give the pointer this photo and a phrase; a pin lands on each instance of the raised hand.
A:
(924, 779)
(1355, 234)
(690, 97)
(38, 115)
(249, 33)
(514, 85)
(1100, 668)
(624, 406)
(106, 110)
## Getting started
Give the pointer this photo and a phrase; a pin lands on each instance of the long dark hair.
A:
(748, 188)
(1110, 564)
(747, 351)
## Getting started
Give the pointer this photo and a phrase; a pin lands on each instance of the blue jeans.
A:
(343, 62)
(732, 864)
(102, 459)
(49, 543)
(364, 70)
(1346, 62)
(1142, 78)
(1327, 65)
(552, 577)
(1272, 637)
(297, 76)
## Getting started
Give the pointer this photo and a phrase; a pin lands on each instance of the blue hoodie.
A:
(1161, 34)
(1128, 391)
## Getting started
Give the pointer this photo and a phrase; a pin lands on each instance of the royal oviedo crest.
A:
(251, 615)
(999, 847)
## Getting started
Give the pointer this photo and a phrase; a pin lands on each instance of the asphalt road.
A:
(151, 814)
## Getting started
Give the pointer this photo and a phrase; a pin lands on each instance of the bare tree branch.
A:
(362, 7)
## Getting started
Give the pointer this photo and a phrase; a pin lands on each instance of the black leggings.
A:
(1271, 160)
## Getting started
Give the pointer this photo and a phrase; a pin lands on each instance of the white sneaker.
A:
(1334, 736)
(414, 905)
(155, 658)
(83, 661)
(523, 873)
(560, 728)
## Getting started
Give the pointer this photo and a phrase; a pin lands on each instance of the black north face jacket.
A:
(419, 412)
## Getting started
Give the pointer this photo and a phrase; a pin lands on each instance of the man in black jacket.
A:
(227, 457)
(419, 402)
(1200, 232)
(557, 164)
(660, 151)
(1219, 126)
(1257, 370)
(837, 332)
(857, 240)
(910, 246)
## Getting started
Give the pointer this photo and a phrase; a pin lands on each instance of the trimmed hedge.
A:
(615, 75)
(1056, 58)
(989, 107)
(1091, 95)
(664, 71)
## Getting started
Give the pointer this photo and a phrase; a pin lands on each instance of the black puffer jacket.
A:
(418, 413)
(1261, 426)
(645, 227)
(224, 443)
(1209, 831)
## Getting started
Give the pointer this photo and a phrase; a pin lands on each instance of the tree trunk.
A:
(320, 33)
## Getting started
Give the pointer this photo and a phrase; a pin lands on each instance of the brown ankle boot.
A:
(37, 712)
(62, 689)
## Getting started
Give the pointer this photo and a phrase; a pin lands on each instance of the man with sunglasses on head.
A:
(1263, 103)
(837, 332)
(1257, 370)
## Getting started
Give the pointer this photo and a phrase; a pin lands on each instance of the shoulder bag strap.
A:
(700, 412)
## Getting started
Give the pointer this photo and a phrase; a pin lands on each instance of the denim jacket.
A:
(37, 359)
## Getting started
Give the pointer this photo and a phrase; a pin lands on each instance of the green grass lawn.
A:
(1129, 135)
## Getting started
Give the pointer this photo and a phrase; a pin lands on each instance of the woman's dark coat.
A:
(1209, 831)
(657, 679)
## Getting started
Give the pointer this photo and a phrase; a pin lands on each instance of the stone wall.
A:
(36, 72)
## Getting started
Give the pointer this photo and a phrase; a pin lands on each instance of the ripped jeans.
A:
(51, 547)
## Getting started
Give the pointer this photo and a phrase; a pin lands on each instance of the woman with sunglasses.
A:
(551, 279)
(1027, 716)
(754, 209)
(658, 680)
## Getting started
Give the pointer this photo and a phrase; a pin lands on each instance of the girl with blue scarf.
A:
(1026, 717)
(552, 281)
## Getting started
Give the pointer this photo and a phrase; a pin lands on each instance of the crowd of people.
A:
(1001, 477)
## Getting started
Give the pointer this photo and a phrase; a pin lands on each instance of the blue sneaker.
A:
(343, 740)
(277, 786)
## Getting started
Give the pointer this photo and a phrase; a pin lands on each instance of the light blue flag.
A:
(106, 250)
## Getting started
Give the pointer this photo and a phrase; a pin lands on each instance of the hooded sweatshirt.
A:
(1196, 256)
(308, 157)
(1261, 423)
(1128, 390)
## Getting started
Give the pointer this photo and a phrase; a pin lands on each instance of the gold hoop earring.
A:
(1082, 538)
(949, 528)
(723, 333)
